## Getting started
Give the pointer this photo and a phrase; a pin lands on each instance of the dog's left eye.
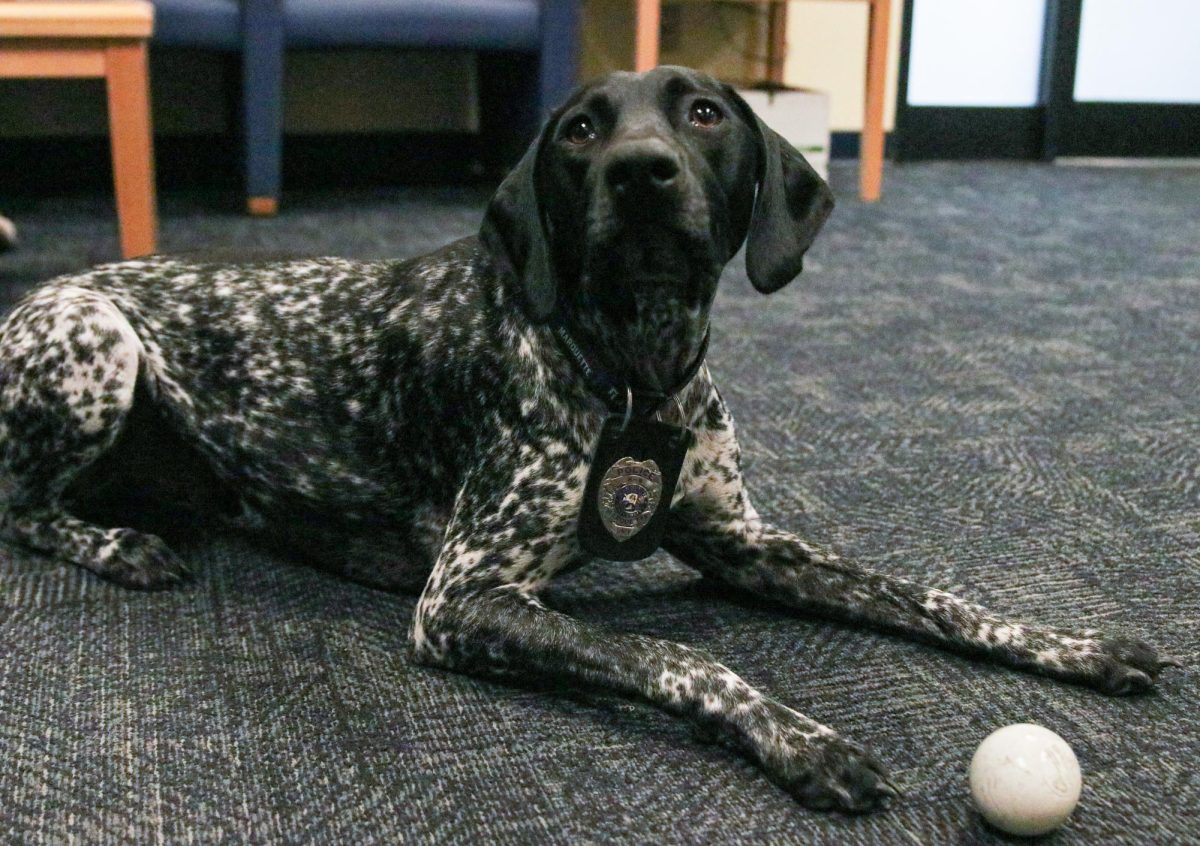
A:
(579, 131)
(705, 113)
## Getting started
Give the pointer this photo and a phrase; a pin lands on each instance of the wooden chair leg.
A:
(776, 41)
(871, 153)
(128, 81)
(646, 48)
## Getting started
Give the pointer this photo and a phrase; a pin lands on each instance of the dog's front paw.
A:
(138, 560)
(821, 769)
(1123, 666)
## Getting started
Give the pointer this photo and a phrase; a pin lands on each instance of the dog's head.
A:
(642, 187)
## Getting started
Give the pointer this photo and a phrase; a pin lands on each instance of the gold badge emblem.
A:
(629, 495)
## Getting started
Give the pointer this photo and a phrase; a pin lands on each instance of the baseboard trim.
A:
(1118, 162)
(848, 144)
(957, 132)
(1143, 130)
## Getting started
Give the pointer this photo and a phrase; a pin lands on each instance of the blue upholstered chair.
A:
(209, 24)
(531, 47)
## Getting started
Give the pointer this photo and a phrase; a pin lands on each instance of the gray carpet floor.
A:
(988, 382)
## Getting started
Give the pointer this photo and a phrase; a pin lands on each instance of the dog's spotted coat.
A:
(409, 423)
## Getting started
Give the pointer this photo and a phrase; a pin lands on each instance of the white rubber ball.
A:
(1025, 779)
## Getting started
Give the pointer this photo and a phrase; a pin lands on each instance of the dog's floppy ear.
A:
(514, 231)
(790, 207)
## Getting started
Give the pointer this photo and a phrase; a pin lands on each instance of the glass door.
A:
(970, 72)
(1122, 78)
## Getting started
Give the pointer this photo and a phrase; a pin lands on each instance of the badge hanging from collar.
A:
(630, 486)
(637, 461)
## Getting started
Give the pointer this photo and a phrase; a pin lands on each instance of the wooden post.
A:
(871, 151)
(776, 40)
(127, 77)
(646, 34)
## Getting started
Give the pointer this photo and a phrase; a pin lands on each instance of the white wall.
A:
(827, 50)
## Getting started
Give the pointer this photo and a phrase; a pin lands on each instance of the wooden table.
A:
(648, 17)
(102, 39)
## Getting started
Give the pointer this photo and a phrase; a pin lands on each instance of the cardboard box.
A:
(727, 40)
(800, 116)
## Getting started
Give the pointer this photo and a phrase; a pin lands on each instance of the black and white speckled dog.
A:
(417, 424)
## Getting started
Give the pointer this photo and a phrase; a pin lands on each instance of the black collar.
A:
(611, 390)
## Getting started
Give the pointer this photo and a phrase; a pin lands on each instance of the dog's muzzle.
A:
(644, 177)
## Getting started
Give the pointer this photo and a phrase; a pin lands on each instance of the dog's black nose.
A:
(642, 170)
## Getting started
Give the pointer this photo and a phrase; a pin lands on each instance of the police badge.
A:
(629, 494)
(629, 487)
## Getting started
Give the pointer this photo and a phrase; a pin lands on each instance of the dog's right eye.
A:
(579, 131)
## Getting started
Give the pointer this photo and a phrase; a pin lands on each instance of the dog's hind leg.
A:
(69, 365)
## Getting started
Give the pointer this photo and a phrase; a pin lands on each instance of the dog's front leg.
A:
(478, 614)
(716, 529)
